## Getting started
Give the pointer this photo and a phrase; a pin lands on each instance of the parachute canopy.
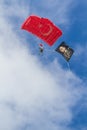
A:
(65, 51)
(43, 28)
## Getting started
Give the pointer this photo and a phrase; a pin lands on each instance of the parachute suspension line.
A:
(68, 66)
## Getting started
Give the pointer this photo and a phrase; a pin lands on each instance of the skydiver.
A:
(41, 48)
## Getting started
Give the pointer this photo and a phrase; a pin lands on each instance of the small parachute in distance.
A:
(65, 51)
(42, 28)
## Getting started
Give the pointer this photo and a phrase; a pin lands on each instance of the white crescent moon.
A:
(28, 21)
(47, 33)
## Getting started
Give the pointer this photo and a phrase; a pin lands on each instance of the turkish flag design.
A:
(43, 28)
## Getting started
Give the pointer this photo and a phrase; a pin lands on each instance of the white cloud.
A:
(32, 95)
(13, 8)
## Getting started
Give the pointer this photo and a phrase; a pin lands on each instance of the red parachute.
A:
(43, 28)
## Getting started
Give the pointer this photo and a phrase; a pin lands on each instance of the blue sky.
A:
(40, 92)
